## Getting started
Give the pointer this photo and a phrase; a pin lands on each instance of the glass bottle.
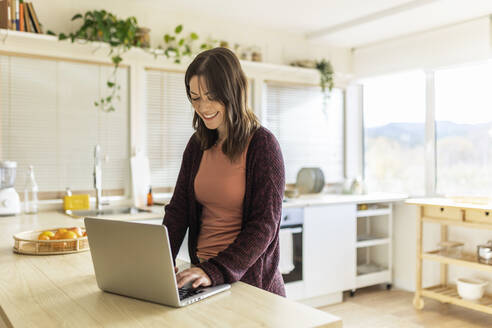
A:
(150, 199)
(31, 193)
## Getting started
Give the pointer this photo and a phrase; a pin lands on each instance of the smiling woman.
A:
(230, 186)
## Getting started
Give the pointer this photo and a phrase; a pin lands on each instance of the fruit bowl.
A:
(51, 241)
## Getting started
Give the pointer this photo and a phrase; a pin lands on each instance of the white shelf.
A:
(48, 46)
(373, 241)
(373, 212)
(373, 278)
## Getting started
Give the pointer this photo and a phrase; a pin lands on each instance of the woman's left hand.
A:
(196, 275)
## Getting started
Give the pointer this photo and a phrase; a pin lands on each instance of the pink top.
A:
(219, 187)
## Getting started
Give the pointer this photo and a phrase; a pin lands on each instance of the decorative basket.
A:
(27, 243)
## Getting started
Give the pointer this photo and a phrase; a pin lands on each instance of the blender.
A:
(9, 198)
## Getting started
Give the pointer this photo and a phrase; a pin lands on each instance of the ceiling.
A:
(344, 23)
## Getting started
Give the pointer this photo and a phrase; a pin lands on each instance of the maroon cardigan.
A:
(254, 255)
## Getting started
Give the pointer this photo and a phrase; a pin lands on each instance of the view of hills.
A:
(411, 134)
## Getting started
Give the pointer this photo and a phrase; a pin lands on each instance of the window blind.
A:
(310, 134)
(48, 120)
(169, 117)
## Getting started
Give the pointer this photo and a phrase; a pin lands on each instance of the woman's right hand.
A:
(176, 269)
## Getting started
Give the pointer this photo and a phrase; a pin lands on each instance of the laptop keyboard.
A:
(187, 292)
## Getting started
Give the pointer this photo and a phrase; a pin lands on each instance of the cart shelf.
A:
(449, 294)
(467, 260)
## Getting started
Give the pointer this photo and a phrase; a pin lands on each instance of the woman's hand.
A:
(196, 275)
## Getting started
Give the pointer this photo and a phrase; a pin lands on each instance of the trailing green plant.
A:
(326, 75)
(122, 35)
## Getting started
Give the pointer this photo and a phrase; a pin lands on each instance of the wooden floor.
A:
(377, 307)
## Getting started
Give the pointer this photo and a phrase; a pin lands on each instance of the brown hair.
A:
(224, 77)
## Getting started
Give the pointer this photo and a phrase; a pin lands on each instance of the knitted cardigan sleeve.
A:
(176, 212)
(260, 228)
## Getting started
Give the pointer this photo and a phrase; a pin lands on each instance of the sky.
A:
(463, 95)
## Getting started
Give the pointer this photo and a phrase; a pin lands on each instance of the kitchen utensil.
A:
(471, 289)
(484, 253)
(9, 198)
(27, 243)
(450, 248)
(310, 180)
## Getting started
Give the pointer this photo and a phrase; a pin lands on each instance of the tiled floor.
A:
(377, 307)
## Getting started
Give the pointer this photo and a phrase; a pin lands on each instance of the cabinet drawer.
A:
(450, 213)
(480, 216)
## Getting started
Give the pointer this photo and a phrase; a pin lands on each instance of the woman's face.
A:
(210, 110)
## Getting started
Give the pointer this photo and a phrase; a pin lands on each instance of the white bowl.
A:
(471, 289)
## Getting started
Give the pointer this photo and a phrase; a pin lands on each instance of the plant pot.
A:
(143, 37)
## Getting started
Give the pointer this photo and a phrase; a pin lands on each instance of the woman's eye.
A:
(194, 99)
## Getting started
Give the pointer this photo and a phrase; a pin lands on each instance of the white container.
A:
(470, 289)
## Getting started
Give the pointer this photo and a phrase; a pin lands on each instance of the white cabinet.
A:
(329, 255)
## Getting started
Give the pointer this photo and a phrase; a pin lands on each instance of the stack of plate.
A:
(310, 180)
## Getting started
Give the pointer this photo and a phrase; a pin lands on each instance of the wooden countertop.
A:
(61, 290)
(476, 203)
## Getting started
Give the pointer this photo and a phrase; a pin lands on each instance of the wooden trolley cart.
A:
(471, 213)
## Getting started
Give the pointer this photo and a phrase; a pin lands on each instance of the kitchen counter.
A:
(61, 290)
(325, 199)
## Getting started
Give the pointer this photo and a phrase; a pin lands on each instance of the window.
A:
(169, 120)
(48, 120)
(394, 133)
(310, 134)
(169, 125)
(464, 130)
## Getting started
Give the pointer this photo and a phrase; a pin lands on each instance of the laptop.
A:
(134, 259)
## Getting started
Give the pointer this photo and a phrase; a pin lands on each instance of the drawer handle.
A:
(442, 209)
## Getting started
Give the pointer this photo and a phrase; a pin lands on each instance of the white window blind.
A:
(48, 120)
(310, 135)
(169, 118)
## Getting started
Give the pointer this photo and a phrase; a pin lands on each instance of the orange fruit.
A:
(77, 231)
(85, 234)
(47, 233)
(68, 235)
(59, 233)
(43, 237)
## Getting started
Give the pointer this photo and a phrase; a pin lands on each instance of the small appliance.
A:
(9, 198)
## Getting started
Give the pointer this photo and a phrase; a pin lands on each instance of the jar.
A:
(484, 253)
(450, 248)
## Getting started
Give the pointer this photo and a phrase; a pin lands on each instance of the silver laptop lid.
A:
(133, 259)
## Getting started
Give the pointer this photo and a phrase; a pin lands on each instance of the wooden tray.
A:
(27, 243)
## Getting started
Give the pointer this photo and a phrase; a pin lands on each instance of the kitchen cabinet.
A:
(329, 255)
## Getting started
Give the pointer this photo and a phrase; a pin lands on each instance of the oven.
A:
(291, 227)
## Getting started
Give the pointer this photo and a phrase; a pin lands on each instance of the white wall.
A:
(404, 252)
(277, 47)
(447, 46)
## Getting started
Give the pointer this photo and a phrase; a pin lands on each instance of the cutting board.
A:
(140, 179)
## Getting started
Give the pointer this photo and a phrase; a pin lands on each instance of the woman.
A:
(230, 186)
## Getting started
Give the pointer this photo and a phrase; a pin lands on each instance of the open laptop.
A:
(134, 259)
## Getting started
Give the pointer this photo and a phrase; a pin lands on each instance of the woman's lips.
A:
(210, 118)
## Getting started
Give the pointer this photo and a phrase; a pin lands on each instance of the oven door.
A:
(292, 273)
